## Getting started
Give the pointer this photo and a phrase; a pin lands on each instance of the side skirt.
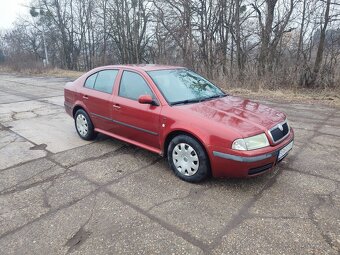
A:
(149, 148)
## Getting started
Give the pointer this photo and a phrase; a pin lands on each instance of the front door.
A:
(136, 122)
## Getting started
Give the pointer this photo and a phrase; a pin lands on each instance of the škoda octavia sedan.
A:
(180, 115)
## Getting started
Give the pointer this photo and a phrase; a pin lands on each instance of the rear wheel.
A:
(188, 159)
(84, 125)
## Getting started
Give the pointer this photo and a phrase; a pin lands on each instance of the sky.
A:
(10, 10)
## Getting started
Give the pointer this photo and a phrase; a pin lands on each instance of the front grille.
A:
(277, 134)
(261, 169)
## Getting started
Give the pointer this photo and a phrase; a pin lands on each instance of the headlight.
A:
(251, 143)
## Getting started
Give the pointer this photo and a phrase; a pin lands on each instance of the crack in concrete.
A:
(13, 113)
(332, 194)
(31, 177)
(12, 140)
(311, 214)
(118, 151)
(317, 133)
(81, 235)
(48, 153)
(258, 216)
(33, 85)
(314, 134)
(35, 112)
(20, 94)
(46, 201)
(31, 185)
(53, 211)
(185, 235)
(47, 214)
(243, 213)
(178, 232)
(100, 185)
(42, 147)
(48, 102)
(9, 129)
(193, 193)
(40, 99)
(287, 168)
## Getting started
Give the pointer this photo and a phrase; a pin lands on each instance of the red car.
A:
(178, 114)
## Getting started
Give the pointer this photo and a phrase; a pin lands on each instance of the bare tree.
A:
(270, 42)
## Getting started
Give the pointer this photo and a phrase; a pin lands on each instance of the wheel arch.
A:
(175, 133)
(78, 107)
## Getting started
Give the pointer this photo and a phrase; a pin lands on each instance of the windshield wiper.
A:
(197, 100)
(187, 101)
(213, 97)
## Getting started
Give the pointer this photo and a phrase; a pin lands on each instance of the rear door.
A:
(136, 121)
(97, 97)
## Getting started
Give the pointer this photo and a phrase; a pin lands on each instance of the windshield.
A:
(182, 86)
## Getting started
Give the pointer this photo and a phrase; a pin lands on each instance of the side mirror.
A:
(146, 99)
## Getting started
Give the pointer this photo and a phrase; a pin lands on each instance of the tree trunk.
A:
(239, 52)
(265, 37)
(319, 54)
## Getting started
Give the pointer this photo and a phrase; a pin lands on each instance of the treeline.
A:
(272, 43)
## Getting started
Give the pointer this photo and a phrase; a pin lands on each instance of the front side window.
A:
(181, 86)
(105, 81)
(132, 86)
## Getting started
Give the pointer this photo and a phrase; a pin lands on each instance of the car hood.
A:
(242, 115)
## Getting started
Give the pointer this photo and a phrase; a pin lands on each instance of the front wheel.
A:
(188, 159)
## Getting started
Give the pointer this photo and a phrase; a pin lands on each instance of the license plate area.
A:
(284, 151)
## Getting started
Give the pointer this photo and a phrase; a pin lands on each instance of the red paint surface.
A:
(215, 123)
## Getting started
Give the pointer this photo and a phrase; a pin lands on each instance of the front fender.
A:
(172, 127)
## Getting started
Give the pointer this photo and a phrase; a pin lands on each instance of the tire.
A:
(188, 159)
(84, 126)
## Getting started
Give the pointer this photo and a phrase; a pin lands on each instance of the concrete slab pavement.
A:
(61, 195)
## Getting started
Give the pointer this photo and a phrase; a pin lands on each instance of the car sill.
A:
(149, 148)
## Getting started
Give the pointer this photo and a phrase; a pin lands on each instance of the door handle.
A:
(85, 97)
(116, 106)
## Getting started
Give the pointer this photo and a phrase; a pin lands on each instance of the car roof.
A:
(144, 67)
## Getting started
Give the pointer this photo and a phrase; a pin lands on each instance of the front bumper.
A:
(249, 163)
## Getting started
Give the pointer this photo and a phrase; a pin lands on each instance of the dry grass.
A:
(45, 72)
(61, 73)
(325, 97)
(330, 97)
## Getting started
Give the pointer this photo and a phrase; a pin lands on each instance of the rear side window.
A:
(89, 83)
(105, 81)
(133, 85)
(102, 81)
